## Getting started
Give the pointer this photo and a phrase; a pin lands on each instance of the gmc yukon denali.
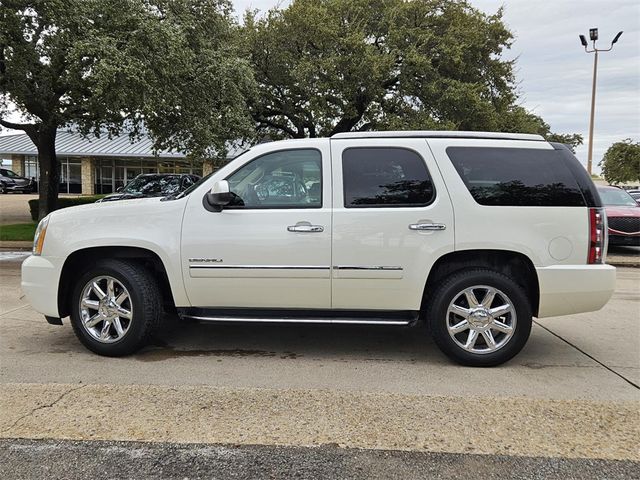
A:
(473, 233)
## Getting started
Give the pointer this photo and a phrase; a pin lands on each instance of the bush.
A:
(63, 202)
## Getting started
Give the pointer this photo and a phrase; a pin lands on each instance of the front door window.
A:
(285, 179)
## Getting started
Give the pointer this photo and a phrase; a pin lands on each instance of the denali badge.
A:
(205, 260)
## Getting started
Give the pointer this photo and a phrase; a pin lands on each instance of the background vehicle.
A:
(474, 233)
(635, 194)
(623, 216)
(12, 182)
(153, 185)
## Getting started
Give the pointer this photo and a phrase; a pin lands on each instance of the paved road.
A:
(68, 460)
(571, 394)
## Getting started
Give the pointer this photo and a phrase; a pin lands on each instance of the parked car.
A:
(153, 185)
(635, 194)
(12, 182)
(623, 216)
(474, 233)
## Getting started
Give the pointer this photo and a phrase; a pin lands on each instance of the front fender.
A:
(147, 224)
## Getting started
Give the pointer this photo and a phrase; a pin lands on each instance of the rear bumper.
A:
(568, 289)
(40, 280)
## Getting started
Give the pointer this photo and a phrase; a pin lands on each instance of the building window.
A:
(70, 175)
(31, 168)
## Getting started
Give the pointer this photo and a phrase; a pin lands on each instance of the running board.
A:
(338, 317)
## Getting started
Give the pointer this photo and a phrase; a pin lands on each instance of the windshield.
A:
(8, 173)
(153, 185)
(205, 178)
(616, 197)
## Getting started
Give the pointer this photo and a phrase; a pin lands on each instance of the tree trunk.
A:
(49, 184)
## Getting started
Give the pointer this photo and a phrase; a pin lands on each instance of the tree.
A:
(621, 162)
(168, 67)
(328, 66)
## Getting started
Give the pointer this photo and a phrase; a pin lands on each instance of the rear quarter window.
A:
(516, 176)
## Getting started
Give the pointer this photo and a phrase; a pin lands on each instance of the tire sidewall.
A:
(451, 288)
(136, 331)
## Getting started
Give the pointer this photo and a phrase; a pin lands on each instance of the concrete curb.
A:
(16, 245)
(625, 264)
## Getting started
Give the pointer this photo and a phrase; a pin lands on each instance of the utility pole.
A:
(593, 36)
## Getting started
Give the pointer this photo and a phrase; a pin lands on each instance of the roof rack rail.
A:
(441, 134)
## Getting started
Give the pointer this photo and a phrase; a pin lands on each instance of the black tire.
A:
(450, 288)
(146, 302)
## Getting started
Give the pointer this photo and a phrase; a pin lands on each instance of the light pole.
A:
(593, 36)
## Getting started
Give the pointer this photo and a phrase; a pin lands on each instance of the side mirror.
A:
(119, 189)
(219, 195)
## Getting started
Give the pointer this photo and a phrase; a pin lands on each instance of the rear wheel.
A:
(480, 317)
(116, 307)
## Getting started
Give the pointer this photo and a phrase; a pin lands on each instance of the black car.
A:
(153, 185)
(12, 182)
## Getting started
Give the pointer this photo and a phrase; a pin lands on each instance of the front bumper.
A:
(569, 289)
(632, 239)
(19, 188)
(40, 280)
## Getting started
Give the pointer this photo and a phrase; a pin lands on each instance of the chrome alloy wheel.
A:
(105, 309)
(481, 326)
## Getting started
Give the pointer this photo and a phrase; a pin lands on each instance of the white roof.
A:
(440, 134)
(75, 145)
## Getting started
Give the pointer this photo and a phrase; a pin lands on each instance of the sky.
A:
(553, 71)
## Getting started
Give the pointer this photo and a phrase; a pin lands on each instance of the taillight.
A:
(597, 235)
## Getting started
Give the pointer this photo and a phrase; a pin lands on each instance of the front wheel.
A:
(480, 317)
(116, 307)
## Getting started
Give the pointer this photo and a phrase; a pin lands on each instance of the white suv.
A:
(474, 233)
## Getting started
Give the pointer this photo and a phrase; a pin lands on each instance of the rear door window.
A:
(516, 176)
(385, 177)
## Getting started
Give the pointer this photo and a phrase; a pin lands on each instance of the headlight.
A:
(38, 239)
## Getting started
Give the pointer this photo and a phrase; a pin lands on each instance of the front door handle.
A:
(304, 228)
(427, 226)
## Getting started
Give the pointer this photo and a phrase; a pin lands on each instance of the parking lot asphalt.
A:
(70, 460)
(571, 394)
(14, 208)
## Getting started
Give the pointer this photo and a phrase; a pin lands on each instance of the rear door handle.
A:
(427, 226)
(305, 228)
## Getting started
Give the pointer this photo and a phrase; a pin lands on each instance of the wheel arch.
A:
(81, 260)
(515, 265)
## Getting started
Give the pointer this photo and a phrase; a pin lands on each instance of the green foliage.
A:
(17, 232)
(328, 66)
(621, 162)
(169, 66)
(63, 202)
